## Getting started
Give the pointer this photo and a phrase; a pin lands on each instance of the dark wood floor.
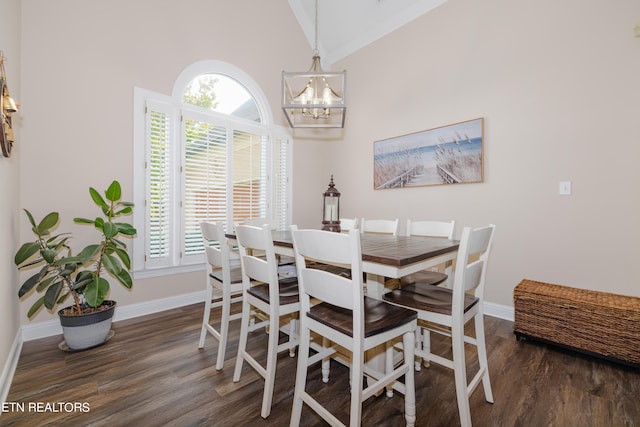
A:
(151, 373)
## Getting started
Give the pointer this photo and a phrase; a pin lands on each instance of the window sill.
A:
(168, 271)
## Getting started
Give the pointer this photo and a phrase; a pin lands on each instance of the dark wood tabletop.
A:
(396, 251)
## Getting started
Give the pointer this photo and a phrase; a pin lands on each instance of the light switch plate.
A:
(565, 188)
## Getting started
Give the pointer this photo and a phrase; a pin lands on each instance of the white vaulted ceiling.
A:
(345, 26)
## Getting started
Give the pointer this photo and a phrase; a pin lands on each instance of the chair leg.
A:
(418, 339)
(388, 362)
(206, 316)
(301, 376)
(426, 345)
(357, 369)
(272, 359)
(460, 374)
(242, 341)
(482, 357)
(409, 381)
(224, 328)
(326, 362)
(293, 338)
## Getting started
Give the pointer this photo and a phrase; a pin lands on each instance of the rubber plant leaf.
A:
(111, 264)
(47, 223)
(26, 251)
(124, 257)
(52, 294)
(97, 198)
(31, 220)
(126, 229)
(31, 281)
(35, 307)
(96, 291)
(114, 192)
(110, 230)
(125, 278)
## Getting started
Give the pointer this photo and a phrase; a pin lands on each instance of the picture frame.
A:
(450, 154)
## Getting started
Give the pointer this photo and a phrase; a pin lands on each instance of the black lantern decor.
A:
(331, 208)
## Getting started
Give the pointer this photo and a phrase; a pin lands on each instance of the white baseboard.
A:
(10, 368)
(498, 310)
(52, 327)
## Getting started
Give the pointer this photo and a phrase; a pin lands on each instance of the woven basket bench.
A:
(596, 323)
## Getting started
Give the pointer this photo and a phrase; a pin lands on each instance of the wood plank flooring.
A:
(151, 373)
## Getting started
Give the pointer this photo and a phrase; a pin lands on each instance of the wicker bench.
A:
(596, 323)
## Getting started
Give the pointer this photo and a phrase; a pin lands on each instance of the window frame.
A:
(275, 135)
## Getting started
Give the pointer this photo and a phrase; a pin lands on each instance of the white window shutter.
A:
(160, 184)
(249, 176)
(205, 171)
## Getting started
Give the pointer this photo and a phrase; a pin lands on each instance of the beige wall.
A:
(9, 187)
(558, 84)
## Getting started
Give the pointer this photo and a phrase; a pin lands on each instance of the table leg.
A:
(374, 288)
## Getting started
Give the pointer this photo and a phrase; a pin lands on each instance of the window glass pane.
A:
(223, 94)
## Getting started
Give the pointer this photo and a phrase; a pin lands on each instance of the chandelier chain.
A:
(316, 36)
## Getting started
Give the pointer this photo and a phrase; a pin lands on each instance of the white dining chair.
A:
(379, 226)
(223, 282)
(440, 229)
(272, 223)
(263, 291)
(344, 316)
(452, 309)
(347, 224)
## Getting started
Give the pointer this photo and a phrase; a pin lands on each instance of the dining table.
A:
(387, 257)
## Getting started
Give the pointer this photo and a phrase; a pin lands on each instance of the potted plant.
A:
(87, 322)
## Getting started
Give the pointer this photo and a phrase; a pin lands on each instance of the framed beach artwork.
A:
(451, 154)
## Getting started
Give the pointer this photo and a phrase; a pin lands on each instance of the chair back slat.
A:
(379, 226)
(347, 224)
(255, 268)
(216, 248)
(337, 249)
(272, 223)
(328, 287)
(264, 268)
(444, 229)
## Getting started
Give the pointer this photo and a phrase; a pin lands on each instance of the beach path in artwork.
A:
(428, 176)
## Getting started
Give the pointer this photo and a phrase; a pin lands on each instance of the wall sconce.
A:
(7, 107)
(331, 208)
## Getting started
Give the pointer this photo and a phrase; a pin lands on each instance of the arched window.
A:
(223, 94)
(211, 153)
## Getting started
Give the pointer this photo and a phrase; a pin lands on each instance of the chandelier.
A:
(315, 98)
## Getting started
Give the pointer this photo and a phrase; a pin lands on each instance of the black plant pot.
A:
(88, 330)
